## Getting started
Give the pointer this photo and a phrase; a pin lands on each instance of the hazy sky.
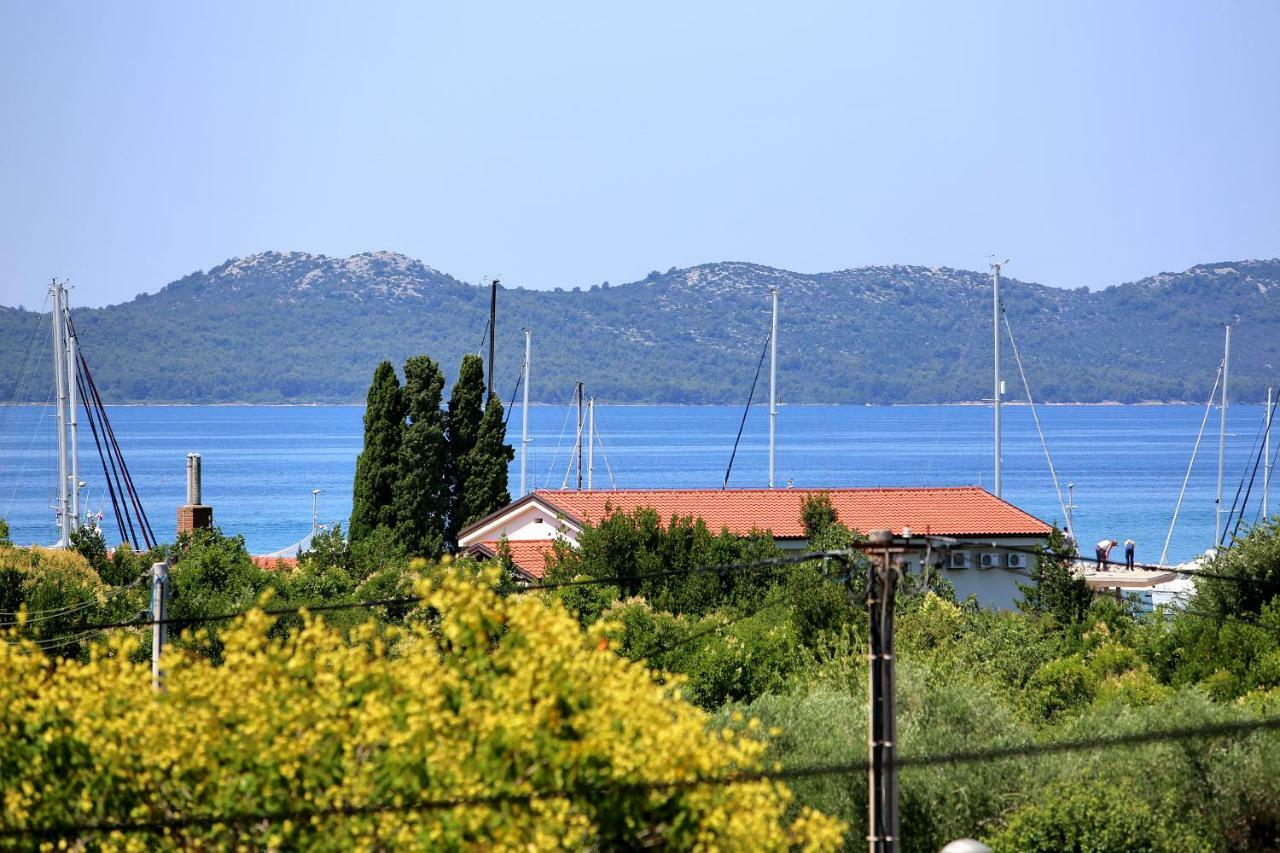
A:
(567, 144)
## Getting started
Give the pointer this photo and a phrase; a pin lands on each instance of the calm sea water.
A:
(261, 463)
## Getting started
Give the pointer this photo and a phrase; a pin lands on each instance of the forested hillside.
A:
(294, 327)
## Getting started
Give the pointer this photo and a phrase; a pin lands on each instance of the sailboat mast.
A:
(1222, 439)
(524, 415)
(59, 381)
(73, 416)
(591, 441)
(493, 330)
(579, 466)
(1266, 455)
(773, 381)
(998, 390)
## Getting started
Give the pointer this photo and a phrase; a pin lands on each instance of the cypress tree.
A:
(484, 469)
(466, 410)
(421, 491)
(377, 465)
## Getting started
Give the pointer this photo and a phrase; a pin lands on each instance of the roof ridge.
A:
(760, 490)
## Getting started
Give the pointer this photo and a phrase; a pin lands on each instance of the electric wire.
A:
(590, 792)
(623, 580)
(721, 568)
(55, 612)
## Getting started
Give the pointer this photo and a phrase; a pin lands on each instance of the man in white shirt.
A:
(1103, 550)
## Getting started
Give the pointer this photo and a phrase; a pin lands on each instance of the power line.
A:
(769, 563)
(723, 568)
(1213, 730)
(53, 613)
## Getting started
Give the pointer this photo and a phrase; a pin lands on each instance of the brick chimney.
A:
(193, 515)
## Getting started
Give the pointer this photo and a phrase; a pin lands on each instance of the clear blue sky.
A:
(567, 144)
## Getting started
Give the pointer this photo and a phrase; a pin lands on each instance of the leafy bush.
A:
(632, 547)
(1251, 567)
(502, 696)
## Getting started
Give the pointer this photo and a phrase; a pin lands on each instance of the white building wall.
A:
(994, 588)
(530, 523)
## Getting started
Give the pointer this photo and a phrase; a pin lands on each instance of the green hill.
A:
(294, 327)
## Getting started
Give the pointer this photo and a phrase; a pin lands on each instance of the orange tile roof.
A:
(530, 556)
(272, 564)
(948, 511)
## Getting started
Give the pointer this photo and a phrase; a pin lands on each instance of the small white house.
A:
(984, 526)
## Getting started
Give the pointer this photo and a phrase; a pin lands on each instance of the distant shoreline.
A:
(978, 403)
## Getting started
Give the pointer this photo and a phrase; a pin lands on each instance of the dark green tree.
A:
(377, 468)
(817, 513)
(1057, 590)
(638, 549)
(1250, 574)
(422, 490)
(482, 484)
(462, 425)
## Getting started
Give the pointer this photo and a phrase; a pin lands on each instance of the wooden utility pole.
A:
(160, 595)
(882, 799)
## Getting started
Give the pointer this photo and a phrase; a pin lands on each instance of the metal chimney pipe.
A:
(193, 479)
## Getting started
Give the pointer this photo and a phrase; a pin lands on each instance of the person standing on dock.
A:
(1103, 550)
(1128, 554)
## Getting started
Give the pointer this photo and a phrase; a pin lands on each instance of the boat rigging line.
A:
(125, 501)
(1257, 460)
(1208, 408)
(25, 382)
(506, 416)
(564, 425)
(613, 484)
(747, 408)
(1066, 516)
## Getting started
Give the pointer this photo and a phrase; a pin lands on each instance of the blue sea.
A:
(261, 463)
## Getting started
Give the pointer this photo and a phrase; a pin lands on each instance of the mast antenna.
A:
(60, 372)
(773, 380)
(524, 416)
(493, 329)
(1218, 533)
(999, 385)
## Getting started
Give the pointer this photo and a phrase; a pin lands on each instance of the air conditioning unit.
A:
(959, 560)
(1017, 561)
(988, 561)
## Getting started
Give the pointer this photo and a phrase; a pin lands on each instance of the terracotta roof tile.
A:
(949, 511)
(272, 564)
(530, 556)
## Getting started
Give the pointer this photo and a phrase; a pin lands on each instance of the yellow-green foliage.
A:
(482, 696)
(49, 572)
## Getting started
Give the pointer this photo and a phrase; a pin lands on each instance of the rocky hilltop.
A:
(297, 327)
